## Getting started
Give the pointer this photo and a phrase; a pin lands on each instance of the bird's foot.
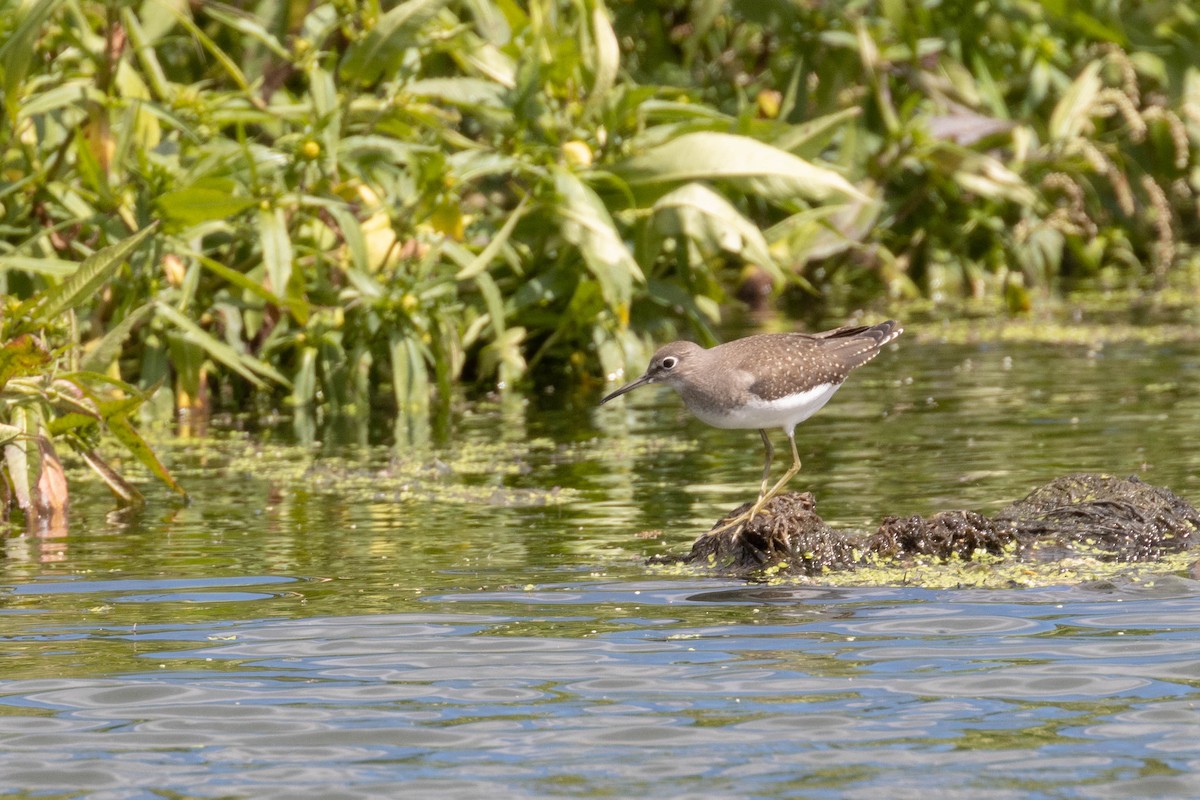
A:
(737, 524)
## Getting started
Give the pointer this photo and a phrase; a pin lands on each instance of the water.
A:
(343, 627)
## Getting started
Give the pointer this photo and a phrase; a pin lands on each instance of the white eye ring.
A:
(669, 362)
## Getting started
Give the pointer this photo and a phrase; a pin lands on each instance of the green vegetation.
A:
(41, 403)
(364, 204)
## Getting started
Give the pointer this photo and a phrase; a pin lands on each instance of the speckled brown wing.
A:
(788, 363)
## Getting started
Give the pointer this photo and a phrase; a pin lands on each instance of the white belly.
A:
(785, 413)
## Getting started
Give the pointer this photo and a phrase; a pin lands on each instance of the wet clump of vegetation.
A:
(1098, 517)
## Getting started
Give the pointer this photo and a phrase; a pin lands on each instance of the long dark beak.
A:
(629, 387)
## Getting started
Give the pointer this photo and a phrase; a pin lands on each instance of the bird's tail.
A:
(858, 345)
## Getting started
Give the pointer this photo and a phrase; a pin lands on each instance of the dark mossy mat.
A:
(1100, 519)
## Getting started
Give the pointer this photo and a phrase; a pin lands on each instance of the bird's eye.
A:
(669, 362)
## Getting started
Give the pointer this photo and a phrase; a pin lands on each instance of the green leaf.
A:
(410, 376)
(298, 307)
(812, 136)
(246, 24)
(482, 261)
(245, 365)
(750, 165)
(822, 232)
(89, 381)
(988, 177)
(1072, 113)
(710, 222)
(102, 353)
(22, 456)
(460, 91)
(16, 54)
(204, 201)
(9, 434)
(382, 49)
(320, 23)
(56, 267)
(494, 303)
(83, 284)
(276, 248)
(69, 95)
(605, 57)
(304, 383)
(125, 491)
(126, 434)
(352, 234)
(220, 56)
(585, 223)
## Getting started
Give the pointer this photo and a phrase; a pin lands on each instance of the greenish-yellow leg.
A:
(764, 494)
(767, 465)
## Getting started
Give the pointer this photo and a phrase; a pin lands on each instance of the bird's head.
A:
(670, 365)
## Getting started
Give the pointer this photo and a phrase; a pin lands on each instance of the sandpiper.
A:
(772, 380)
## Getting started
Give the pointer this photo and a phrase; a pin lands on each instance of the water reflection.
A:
(441, 623)
(626, 681)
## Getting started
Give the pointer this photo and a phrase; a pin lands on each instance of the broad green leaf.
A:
(700, 21)
(460, 91)
(70, 94)
(811, 137)
(56, 267)
(319, 24)
(304, 383)
(822, 232)
(382, 49)
(322, 93)
(203, 201)
(671, 295)
(9, 433)
(245, 365)
(494, 303)
(126, 434)
(22, 356)
(276, 248)
(352, 147)
(351, 232)
(1072, 113)
(585, 223)
(988, 177)
(471, 165)
(410, 376)
(83, 284)
(752, 166)
(605, 57)
(22, 456)
(711, 223)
